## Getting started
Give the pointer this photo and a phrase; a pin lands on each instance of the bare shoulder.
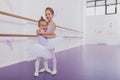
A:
(53, 23)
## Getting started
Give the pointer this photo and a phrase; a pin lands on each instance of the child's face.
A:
(43, 25)
(49, 15)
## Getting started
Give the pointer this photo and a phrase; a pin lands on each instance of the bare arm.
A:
(45, 35)
(53, 26)
(49, 35)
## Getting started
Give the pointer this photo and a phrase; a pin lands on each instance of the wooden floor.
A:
(88, 62)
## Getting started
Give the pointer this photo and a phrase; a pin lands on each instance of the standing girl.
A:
(40, 48)
(49, 12)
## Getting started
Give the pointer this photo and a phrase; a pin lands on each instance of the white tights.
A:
(52, 51)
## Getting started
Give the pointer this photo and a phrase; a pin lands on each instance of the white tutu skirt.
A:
(39, 51)
(53, 43)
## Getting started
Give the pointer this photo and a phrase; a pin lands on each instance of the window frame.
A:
(106, 6)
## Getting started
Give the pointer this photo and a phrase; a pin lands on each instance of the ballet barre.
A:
(29, 19)
(27, 35)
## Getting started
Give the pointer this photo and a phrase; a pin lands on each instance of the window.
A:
(118, 8)
(100, 10)
(100, 3)
(118, 1)
(108, 2)
(91, 11)
(103, 7)
(110, 9)
(90, 4)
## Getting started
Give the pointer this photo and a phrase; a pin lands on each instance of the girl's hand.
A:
(42, 31)
(39, 31)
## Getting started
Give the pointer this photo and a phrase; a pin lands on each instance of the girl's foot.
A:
(42, 70)
(54, 72)
(36, 74)
(48, 70)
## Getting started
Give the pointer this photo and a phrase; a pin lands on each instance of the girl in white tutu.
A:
(40, 49)
(49, 12)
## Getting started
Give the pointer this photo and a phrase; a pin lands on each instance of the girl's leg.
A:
(37, 63)
(54, 62)
(45, 67)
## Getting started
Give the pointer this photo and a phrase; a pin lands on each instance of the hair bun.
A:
(41, 17)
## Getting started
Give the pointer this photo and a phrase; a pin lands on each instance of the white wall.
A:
(67, 13)
(103, 29)
(15, 7)
(83, 23)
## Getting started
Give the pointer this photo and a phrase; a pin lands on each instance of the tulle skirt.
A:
(39, 51)
(53, 43)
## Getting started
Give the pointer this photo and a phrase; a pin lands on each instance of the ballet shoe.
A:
(42, 70)
(48, 70)
(54, 72)
(36, 74)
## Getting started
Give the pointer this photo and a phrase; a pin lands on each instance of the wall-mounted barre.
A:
(27, 35)
(16, 16)
(17, 35)
(28, 19)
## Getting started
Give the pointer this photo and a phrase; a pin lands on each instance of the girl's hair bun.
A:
(41, 17)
